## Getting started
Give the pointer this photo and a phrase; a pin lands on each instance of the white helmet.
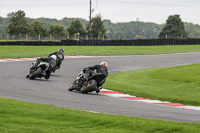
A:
(104, 63)
(53, 57)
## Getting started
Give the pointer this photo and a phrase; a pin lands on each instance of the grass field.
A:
(177, 84)
(43, 51)
(23, 117)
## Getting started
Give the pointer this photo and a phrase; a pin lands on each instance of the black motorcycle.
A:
(38, 69)
(93, 84)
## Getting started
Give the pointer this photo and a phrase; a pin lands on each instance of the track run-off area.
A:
(54, 91)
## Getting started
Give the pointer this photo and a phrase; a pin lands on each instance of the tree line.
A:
(17, 26)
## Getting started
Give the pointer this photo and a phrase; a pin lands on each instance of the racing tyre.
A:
(36, 73)
(89, 87)
(70, 88)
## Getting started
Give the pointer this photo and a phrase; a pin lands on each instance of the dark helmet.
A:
(61, 50)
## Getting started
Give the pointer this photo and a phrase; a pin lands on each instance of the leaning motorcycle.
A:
(38, 69)
(87, 86)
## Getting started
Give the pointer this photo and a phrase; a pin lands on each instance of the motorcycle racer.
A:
(101, 70)
(52, 64)
(60, 57)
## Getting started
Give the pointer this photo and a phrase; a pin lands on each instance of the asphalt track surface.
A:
(13, 84)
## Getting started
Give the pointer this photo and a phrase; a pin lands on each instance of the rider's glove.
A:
(85, 69)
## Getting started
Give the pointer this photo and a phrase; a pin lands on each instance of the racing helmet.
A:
(61, 50)
(53, 57)
(104, 63)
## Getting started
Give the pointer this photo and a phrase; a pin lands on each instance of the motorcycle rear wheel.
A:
(89, 87)
(36, 73)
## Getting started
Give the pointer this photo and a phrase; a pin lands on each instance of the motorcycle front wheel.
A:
(71, 88)
(36, 73)
(89, 87)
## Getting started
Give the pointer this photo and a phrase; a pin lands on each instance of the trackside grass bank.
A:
(23, 117)
(43, 51)
(177, 84)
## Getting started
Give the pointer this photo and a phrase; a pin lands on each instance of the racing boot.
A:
(45, 75)
(98, 89)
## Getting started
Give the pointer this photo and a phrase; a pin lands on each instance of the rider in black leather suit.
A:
(101, 70)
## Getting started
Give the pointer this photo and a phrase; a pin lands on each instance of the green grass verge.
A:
(175, 83)
(43, 51)
(23, 117)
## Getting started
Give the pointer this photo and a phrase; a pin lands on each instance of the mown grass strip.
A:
(177, 84)
(22, 117)
(43, 51)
